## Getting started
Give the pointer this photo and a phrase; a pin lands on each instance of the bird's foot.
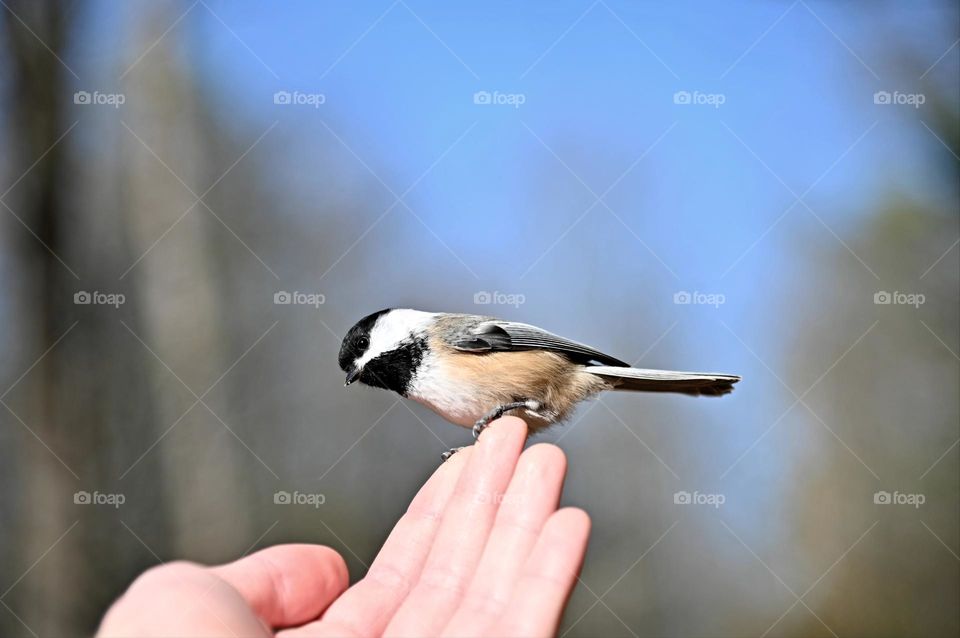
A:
(446, 455)
(499, 411)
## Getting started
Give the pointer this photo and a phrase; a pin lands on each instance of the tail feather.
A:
(637, 379)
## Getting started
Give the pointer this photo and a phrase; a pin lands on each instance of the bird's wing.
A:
(495, 335)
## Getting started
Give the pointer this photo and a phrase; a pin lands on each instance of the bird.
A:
(472, 369)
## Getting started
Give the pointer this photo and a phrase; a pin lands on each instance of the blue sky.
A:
(599, 97)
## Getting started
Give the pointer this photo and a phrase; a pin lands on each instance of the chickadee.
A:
(471, 369)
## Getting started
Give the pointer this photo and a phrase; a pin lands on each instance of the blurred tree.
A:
(169, 159)
(66, 409)
(894, 403)
(112, 206)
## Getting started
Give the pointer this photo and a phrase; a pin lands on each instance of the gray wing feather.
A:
(496, 335)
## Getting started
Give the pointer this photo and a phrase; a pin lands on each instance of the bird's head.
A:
(384, 349)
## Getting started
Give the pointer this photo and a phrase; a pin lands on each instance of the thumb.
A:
(287, 585)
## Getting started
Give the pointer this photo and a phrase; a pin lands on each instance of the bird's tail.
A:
(695, 383)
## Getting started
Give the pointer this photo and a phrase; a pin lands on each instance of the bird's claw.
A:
(498, 412)
(446, 455)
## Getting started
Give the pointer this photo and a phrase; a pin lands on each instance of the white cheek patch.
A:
(393, 328)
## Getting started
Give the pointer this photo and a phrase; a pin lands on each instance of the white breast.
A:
(448, 397)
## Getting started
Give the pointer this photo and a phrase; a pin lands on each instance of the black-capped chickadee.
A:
(471, 369)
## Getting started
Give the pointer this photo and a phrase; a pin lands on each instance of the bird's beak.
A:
(352, 376)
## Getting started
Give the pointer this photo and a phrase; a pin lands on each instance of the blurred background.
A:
(199, 198)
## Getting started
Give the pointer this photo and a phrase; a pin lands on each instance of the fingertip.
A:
(452, 466)
(570, 522)
(498, 447)
(562, 544)
(547, 455)
(319, 557)
(288, 584)
(458, 460)
(433, 495)
(575, 515)
(506, 428)
(510, 422)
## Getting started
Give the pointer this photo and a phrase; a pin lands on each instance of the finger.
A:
(547, 578)
(287, 584)
(529, 501)
(366, 608)
(463, 531)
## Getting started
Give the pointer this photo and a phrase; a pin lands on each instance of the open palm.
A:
(481, 551)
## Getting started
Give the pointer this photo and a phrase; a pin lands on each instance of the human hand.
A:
(481, 551)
